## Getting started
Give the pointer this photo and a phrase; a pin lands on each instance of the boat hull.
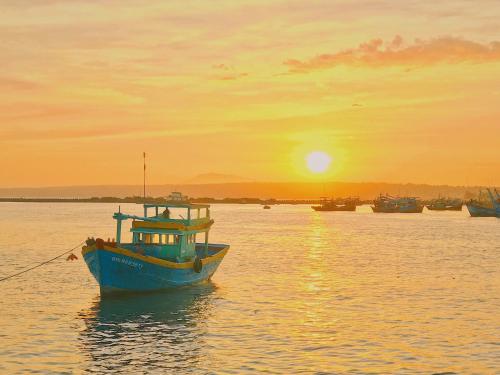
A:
(446, 208)
(338, 208)
(479, 211)
(401, 210)
(119, 270)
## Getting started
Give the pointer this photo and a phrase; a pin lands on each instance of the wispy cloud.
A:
(376, 52)
(17, 84)
(232, 77)
(220, 66)
(230, 73)
(101, 132)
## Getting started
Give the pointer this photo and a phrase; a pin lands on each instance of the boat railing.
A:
(190, 211)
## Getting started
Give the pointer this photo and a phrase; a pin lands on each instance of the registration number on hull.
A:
(127, 262)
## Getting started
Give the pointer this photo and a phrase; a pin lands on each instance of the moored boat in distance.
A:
(388, 204)
(488, 206)
(177, 197)
(163, 252)
(445, 204)
(343, 204)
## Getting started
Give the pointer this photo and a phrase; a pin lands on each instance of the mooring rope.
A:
(43, 263)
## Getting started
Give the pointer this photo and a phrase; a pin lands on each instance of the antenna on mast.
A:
(144, 186)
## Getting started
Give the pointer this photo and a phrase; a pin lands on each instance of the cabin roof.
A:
(161, 231)
(177, 205)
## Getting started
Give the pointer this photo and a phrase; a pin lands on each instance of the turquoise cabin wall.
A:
(168, 252)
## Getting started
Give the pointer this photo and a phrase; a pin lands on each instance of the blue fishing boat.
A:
(485, 208)
(164, 251)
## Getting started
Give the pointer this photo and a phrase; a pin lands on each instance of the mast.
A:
(144, 179)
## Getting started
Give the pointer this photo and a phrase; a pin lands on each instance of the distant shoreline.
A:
(139, 200)
(205, 200)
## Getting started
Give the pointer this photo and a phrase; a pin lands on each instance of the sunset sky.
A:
(395, 91)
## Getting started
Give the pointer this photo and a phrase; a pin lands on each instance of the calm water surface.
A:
(299, 291)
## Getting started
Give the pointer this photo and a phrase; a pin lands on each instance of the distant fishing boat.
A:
(388, 204)
(266, 207)
(489, 207)
(177, 197)
(445, 204)
(328, 204)
(163, 253)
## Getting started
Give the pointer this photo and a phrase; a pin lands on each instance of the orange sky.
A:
(393, 92)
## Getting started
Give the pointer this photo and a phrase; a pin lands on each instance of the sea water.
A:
(299, 292)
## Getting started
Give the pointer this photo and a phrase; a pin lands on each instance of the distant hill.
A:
(265, 190)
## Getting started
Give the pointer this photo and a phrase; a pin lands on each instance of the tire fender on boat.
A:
(197, 265)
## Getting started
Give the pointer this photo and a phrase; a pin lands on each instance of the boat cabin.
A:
(173, 231)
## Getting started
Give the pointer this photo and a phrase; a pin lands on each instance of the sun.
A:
(318, 161)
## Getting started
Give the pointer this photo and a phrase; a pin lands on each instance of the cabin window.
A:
(147, 238)
(169, 239)
(198, 213)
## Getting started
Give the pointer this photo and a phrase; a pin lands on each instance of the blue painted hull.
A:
(117, 272)
(479, 211)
